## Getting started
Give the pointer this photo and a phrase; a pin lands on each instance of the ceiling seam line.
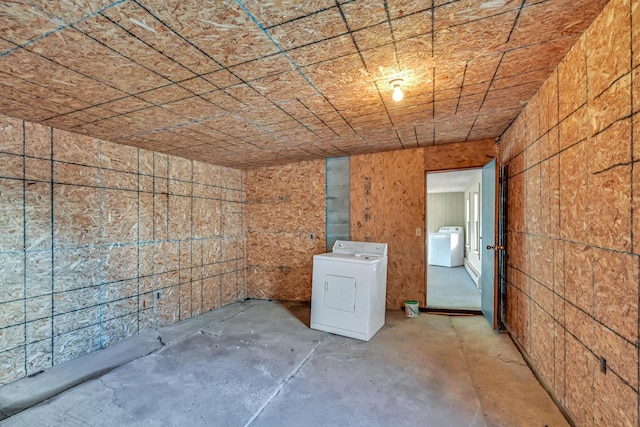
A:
(215, 61)
(202, 121)
(36, 96)
(502, 89)
(295, 66)
(197, 74)
(222, 67)
(299, 18)
(364, 63)
(360, 29)
(525, 46)
(433, 104)
(340, 4)
(275, 104)
(433, 28)
(242, 80)
(136, 95)
(353, 39)
(47, 88)
(76, 71)
(116, 114)
(125, 56)
(57, 30)
(275, 43)
(497, 79)
(209, 56)
(167, 128)
(27, 105)
(433, 91)
(485, 95)
(317, 117)
(399, 139)
(393, 39)
(153, 104)
(344, 18)
(516, 20)
(161, 106)
(472, 21)
(464, 75)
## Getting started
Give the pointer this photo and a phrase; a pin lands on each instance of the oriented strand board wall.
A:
(286, 226)
(387, 205)
(462, 155)
(574, 223)
(286, 205)
(100, 241)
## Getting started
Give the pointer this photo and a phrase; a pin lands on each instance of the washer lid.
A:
(352, 258)
(360, 248)
(450, 229)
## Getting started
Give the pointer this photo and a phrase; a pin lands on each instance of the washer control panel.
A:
(360, 248)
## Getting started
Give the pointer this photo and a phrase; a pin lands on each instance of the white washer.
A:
(446, 247)
(349, 289)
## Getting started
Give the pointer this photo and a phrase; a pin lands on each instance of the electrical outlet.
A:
(418, 231)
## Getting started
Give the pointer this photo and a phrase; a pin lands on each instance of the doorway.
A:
(453, 240)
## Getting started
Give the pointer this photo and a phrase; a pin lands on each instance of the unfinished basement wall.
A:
(286, 226)
(387, 205)
(574, 223)
(286, 206)
(100, 241)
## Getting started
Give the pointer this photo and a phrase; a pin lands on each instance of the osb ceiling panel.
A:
(247, 83)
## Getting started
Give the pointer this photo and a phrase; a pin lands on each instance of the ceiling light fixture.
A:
(397, 92)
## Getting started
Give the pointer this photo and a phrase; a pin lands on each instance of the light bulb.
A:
(397, 93)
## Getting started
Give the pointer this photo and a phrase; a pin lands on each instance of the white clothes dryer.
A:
(349, 289)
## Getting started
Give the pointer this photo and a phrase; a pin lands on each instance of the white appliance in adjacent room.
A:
(446, 247)
(349, 289)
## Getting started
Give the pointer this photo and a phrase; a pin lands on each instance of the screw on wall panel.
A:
(603, 365)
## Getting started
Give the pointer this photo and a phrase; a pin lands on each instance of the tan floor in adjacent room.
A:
(451, 287)
(258, 364)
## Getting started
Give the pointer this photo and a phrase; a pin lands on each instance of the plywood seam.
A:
(52, 217)
(62, 27)
(485, 95)
(566, 301)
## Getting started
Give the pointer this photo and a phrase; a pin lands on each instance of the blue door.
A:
(488, 242)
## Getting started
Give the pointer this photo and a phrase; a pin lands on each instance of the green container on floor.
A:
(411, 308)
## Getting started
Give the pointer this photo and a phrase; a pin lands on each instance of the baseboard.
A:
(473, 273)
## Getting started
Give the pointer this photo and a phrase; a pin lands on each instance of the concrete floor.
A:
(257, 363)
(451, 287)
